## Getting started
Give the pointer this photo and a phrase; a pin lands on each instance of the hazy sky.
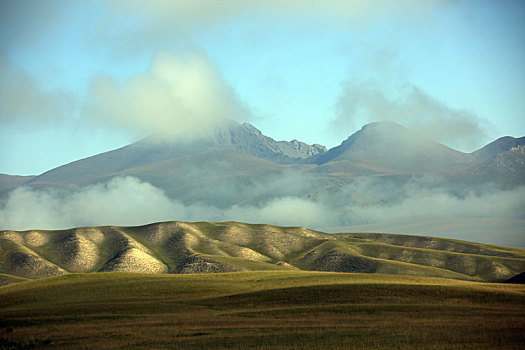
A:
(81, 77)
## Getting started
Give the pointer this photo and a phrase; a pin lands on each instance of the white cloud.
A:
(178, 95)
(419, 202)
(403, 103)
(129, 201)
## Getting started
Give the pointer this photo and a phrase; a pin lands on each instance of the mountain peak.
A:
(249, 127)
(498, 146)
(382, 124)
(391, 148)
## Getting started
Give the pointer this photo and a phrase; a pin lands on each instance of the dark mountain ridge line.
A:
(199, 247)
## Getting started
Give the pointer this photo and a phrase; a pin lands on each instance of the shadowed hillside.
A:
(179, 247)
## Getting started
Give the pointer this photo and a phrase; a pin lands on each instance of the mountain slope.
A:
(9, 182)
(386, 147)
(233, 137)
(506, 170)
(179, 247)
(501, 145)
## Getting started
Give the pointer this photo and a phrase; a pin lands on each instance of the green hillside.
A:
(262, 310)
(180, 247)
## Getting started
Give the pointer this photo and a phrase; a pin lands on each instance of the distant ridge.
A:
(206, 247)
(391, 148)
(8, 182)
(243, 139)
(241, 153)
(501, 145)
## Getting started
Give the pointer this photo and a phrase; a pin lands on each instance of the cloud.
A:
(179, 94)
(121, 201)
(415, 201)
(130, 201)
(24, 102)
(198, 13)
(157, 22)
(363, 102)
(286, 211)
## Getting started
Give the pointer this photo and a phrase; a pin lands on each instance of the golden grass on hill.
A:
(180, 247)
(263, 310)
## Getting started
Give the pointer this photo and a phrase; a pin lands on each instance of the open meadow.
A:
(259, 309)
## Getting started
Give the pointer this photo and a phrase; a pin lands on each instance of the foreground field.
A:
(263, 309)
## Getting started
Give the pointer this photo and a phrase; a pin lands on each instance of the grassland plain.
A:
(182, 247)
(261, 309)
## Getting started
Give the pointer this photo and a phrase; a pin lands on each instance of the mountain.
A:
(242, 140)
(506, 170)
(242, 152)
(387, 147)
(204, 247)
(501, 145)
(9, 182)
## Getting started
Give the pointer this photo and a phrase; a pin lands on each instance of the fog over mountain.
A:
(383, 173)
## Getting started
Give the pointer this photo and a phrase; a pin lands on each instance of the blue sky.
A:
(79, 78)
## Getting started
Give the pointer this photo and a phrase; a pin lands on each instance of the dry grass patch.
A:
(264, 310)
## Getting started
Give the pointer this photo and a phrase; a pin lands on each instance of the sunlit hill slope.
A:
(179, 247)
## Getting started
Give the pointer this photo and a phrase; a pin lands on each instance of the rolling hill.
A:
(204, 247)
(260, 310)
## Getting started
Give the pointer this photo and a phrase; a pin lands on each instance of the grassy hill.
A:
(263, 310)
(470, 229)
(180, 247)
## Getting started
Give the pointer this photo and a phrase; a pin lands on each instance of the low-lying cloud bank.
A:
(129, 201)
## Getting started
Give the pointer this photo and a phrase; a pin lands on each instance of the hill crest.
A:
(182, 247)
